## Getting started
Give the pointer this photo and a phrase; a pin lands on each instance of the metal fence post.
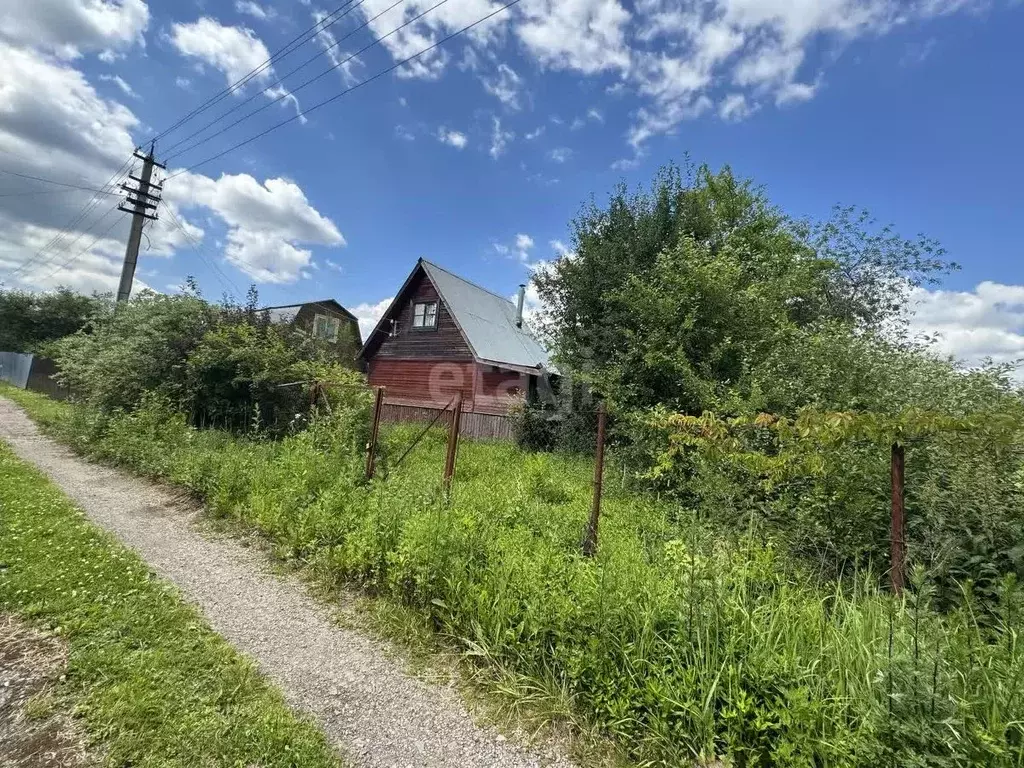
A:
(590, 537)
(897, 557)
(453, 442)
(371, 447)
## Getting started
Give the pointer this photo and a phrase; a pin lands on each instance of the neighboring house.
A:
(443, 334)
(325, 319)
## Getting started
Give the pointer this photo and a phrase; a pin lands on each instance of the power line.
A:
(93, 202)
(281, 79)
(51, 181)
(358, 85)
(89, 247)
(226, 281)
(33, 192)
(279, 54)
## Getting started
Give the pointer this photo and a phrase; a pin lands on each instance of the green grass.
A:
(152, 683)
(678, 643)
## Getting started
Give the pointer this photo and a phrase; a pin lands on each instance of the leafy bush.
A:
(534, 426)
(140, 348)
(226, 366)
(30, 321)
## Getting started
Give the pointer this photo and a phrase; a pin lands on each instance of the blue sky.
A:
(478, 156)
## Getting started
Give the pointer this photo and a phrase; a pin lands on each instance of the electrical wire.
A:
(123, 171)
(280, 53)
(51, 181)
(337, 96)
(169, 150)
(91, 245)
(323, 74)
(226, 281)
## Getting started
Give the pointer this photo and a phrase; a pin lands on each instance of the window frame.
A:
(427, 313)
(333, 322)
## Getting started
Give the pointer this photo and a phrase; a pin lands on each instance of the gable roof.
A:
(486, 320)
(287, 312)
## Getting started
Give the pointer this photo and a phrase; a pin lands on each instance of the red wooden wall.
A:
(433, 383)
(424, 368)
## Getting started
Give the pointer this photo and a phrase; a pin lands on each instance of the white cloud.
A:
(560, 154)
(499, 138)
(344, 63)
(235, 51)
(987, 322)
(735, 107)
(70, 28)
(506, 86)
(369, 315)
(519, 250)
(534, 134)
(53, 124)
(687, 56)
(452, 138)
(426, 31)
(120, 83)
(794, 93)
(183, 82)
(249, 8)
(267, 223)
(588, 36)
(561, 249)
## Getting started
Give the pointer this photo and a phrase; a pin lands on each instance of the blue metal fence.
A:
(15, 368)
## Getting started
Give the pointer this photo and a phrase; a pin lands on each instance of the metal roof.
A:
(331, 305)
(488, 322)
(282, 314)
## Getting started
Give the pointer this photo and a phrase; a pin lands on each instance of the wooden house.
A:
(325, 319)
(444, 335)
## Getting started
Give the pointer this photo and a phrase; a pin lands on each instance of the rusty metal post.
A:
(590, 537)
(453, 442)
(897, 557)
(371, 447)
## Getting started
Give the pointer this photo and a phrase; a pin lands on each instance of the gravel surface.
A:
(375, 713)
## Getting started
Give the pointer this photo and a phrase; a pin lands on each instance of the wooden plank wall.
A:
(426, 382)
(496, 391)
(444, 342)
(481, 426)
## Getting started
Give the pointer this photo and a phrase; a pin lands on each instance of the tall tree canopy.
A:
(685, 294)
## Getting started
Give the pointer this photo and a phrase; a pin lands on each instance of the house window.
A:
(424, 315)
(326, 327)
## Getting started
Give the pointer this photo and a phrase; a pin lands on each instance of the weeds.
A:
(682, 646)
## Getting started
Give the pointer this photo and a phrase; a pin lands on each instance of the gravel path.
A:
(376, 714)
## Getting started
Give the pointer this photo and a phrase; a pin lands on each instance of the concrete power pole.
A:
(142, 199)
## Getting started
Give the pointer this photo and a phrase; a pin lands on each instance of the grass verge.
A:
(681, 645)
(151, 682)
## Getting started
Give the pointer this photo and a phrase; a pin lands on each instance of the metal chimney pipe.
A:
(519, 308)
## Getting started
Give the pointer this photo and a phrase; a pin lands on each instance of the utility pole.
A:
(142, 200)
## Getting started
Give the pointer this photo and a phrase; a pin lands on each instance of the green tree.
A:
(681, 294)
(29, 321)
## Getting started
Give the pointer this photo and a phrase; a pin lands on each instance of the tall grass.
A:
(684, 646)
